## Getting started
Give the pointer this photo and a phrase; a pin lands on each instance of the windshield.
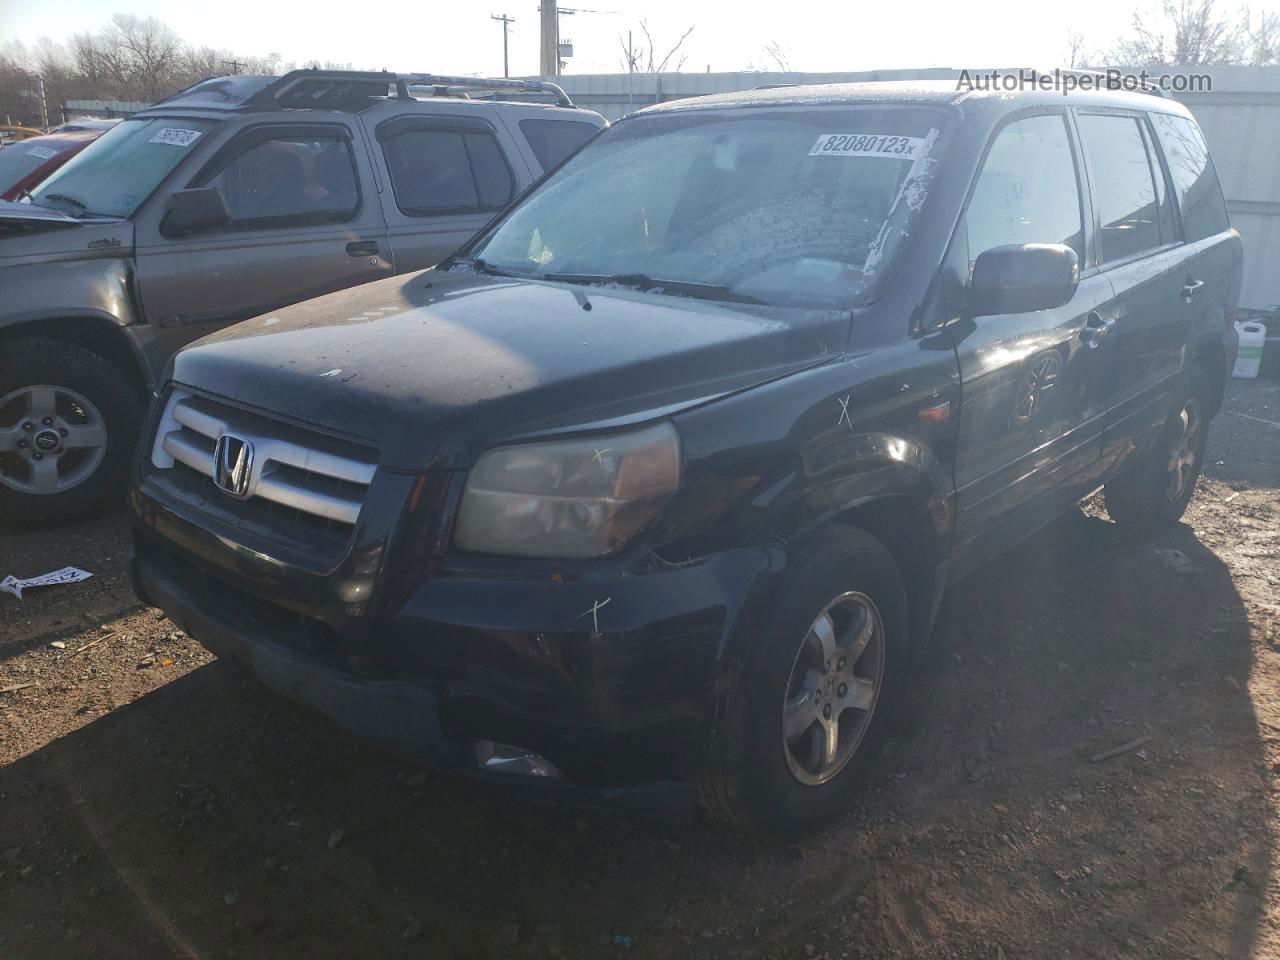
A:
(23, 159)
(796, 207)
(115, 173)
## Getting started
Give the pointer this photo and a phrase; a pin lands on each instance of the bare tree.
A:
(1075, 49)
(147, 52)
(1198, 32)
(647, 58)
(778, 54)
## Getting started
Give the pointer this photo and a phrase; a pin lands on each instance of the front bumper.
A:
(613, 675)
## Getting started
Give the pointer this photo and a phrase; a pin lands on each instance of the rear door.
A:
(1030, 417)
(302, 224)
(1141, 251)
(448, 175)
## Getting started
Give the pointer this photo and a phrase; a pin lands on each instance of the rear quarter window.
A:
(1204, 212)
(553, 140)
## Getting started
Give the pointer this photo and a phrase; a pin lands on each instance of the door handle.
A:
(1095, 329)
(1189, 289)
(362, 248)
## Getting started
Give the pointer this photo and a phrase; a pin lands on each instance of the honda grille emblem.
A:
(232, 465)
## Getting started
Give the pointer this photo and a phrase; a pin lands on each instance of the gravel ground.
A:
(155, 803)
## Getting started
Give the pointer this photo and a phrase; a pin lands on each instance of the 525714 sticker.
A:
(176, 136)
(867, 145)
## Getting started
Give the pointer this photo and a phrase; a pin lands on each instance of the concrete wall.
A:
(1240, 117)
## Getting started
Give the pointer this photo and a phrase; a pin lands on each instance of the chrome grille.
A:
(318, 477)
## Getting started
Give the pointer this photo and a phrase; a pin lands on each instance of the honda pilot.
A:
(648, 496)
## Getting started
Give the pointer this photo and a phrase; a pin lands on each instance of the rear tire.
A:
(817, 698)
(1154, 493)
(68, 423)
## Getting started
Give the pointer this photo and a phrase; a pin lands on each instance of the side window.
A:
(1196, 182)
(289, 180)
(441, 170)
(1027, 190)
(553, 140)
(1169, 232)
(1123, 186)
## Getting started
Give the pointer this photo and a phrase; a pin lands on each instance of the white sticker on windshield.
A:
(44, 153)
(867, 145)
(176, 136)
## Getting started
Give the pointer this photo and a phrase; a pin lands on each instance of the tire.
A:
(93, 416)
(780, 782)
(1153, 494)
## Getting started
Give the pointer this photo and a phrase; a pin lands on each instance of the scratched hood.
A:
(435, 368)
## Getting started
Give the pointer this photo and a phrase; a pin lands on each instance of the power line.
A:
(235, 65)
(506, 23)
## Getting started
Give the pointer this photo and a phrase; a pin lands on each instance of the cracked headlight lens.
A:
(585, 497)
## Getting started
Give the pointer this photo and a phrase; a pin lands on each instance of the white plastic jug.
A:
(1253, 337)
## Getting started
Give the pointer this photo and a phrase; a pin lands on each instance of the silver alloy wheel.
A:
(51, 439)
(1182, 456)
(833, 688)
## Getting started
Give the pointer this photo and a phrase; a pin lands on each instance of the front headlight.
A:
(568, 498)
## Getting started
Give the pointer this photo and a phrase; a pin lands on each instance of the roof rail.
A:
(481, 83)
(1141, 86)
(339, 88)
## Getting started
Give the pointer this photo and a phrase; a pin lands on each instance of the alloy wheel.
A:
(51, 439)
(1185, 450)
(833, 689)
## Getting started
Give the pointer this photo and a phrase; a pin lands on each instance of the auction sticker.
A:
(175, 136)
(44, 153)
(867, 145)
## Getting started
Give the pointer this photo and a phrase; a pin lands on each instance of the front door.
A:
(301, 225)
(1030, 415)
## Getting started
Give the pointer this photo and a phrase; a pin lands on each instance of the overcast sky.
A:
(459, 37)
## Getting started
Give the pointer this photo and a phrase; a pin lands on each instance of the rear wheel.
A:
(1155, 492)
(68, 422)
(819, 688)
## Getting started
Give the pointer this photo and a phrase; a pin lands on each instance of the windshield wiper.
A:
(63, 198)
(483, 266)
(642, 281)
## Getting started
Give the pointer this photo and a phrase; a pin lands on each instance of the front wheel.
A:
(68, 423)
(819, 688)
(1155, 492)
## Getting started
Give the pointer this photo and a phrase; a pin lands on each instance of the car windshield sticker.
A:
(866, 145)
(175, 136)
(44, 153)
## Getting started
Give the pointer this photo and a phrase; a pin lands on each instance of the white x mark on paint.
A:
(844, 412)
(595, 613)
(600, 453)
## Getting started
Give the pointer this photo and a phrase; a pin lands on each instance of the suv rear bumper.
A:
(621, 702)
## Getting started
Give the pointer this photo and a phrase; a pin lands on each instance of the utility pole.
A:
(235, 65)
(631, 75)
(506, 22)
(549, 62)
(44, 104)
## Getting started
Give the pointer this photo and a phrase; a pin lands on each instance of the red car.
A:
(27, 162)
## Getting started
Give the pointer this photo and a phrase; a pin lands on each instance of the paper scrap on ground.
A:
(65, 575)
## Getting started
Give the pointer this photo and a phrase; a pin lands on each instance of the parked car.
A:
(651, 492)
(234, 197)
(82, 124)
(25, 164)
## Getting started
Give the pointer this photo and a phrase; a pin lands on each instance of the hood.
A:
(32, 234)
(437, 367)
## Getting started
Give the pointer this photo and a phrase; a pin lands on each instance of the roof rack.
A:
(1143, 86)
(344, 88)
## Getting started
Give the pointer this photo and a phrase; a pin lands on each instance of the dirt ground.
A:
(154, 803)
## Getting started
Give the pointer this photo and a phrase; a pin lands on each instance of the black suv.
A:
(657, 484)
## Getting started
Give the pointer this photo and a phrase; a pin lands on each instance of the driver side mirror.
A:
(194, 210)
(1022, 278)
